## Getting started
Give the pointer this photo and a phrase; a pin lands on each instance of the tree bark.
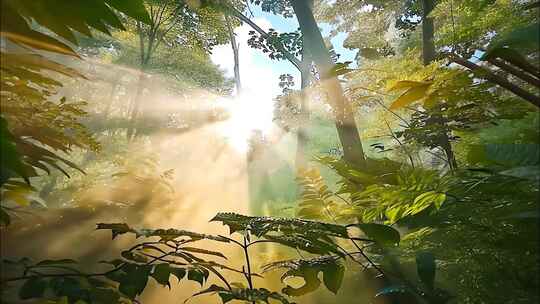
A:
(484, 73)
(236, 57)
(515, 72)
(428, 42)
(344, 117)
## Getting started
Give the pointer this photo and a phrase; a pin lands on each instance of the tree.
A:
(30, 144)
(175, 24)
(235, 48)
(344, 119)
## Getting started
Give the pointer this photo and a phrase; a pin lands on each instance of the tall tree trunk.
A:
(428, 55)
(428, 42)
(145, 56)
(344, 117)
(136, 106)
(235, 47)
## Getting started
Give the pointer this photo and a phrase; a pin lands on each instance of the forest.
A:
(269, 151)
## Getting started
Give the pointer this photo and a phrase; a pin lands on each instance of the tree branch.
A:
(515, 71)
(489, 75)
(235, 13)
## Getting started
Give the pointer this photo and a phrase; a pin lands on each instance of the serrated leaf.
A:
(257, 295)
(204, 251)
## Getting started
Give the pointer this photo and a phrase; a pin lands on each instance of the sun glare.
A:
(248, 112)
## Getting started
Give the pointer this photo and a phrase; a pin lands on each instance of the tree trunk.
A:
(136, 106)
(428, 55)
(428, 42)
(235, 48)
(145, 57)
(344, 118)
(447, 147)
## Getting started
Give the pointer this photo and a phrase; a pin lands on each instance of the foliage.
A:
(274, 44)
(174, 254)
(413, 228)
(469, 25)
(259, 295)
(308, 270)
(68, 16)
(460, 209)
(27, 88)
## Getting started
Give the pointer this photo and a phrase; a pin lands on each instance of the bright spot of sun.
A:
(247, 112)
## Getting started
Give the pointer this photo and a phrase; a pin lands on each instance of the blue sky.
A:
(254, 107)
(267, 70)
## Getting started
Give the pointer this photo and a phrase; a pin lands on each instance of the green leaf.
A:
(10, 163)
(33, 288)
(164, 234)
(425, 266)
(527, 37)
(66, 286)
(382, 234)
(133, 281)
(133, 8)
(308, 269)
(4, 217)
(426, 199)
(259, 295)
(56, 262)
(333, 277)
(197, 275)
(179, 273)
(203, 251)
(261, 225)
(161, 274)
(104, 296)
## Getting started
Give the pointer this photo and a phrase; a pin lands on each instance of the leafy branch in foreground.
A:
(166, 252)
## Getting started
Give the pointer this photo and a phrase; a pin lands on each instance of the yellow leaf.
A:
(19, 195)
(410, 96)
(404, 84)
(430, 101)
